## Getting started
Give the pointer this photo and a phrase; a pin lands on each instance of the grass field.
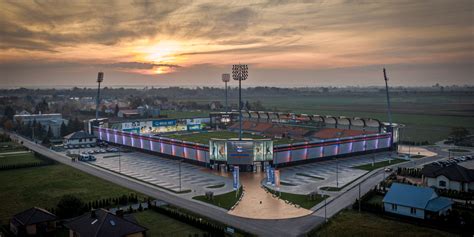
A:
(161, 225)
(299, 199)
(10, 147)
(18, 159)
(43, 186)
(428, 117)
(352, 223)
(204, 137)
(226, 200)
(377, 165)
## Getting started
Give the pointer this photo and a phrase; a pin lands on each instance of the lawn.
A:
(10, 146)
(43, 187)
(18, 159)
(352, 223)
(377, 165)
(204, 137)
(299, 199)
(428, 117)
(226, 200)
(161, 225)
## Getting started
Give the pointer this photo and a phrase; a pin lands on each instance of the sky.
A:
(191, 43)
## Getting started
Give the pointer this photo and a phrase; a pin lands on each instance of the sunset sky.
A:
(191, 43)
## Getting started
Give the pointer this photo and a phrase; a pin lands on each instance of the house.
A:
(416, 202)
(34, 221)
(80, 139)
(128, 113)
(459, 177)
(101, 222)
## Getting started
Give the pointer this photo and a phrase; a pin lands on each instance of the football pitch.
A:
(204, 137)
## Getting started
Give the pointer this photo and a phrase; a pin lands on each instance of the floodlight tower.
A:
(225, 79)
(100, 78)
(240, 73)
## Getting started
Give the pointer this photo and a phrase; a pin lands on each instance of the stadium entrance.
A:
(248, 154)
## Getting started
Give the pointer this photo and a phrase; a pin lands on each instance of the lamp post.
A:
(240, 73)
(180, 175)
(225, 79)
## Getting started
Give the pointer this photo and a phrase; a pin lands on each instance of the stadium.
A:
(268, 138)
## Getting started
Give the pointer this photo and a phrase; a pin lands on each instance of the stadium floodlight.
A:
(100, 78)
(225, 79)
(240, 73)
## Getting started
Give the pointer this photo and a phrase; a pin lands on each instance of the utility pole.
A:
(359, 197)
(180, 175)
(388, 97)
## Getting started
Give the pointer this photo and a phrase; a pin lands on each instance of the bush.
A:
(70, 206)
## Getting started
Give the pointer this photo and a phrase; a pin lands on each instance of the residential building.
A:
(459, 177)
(102, 223)
(80, 139)
(416, 202)
(128, 113)
(34, 221)
(47, 121)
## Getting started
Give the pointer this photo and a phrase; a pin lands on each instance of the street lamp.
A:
(225, 79)
(180, 174)
(240, 73)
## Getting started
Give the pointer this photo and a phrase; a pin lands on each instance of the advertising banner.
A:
(194, 127)
(277, 178)
(236, 178)
(164, 122)
(268, 170)
(272, 176)
(240, 152)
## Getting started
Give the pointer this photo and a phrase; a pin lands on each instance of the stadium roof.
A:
(328, 133)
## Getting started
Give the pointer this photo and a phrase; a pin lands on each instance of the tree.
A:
(70, 206)
(9, 112)
(459, 133)
(8, 125)
(117, 109)
(49, 134)
(63, 130)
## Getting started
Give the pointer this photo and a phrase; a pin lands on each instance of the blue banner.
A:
(236, 177)
(272, 176)
(267, 170)
(165, 122)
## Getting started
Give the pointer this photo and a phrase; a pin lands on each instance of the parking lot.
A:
(159, 171)
(305, 178)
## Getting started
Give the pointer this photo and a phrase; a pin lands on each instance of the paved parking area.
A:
(162, 172)
(305, 178)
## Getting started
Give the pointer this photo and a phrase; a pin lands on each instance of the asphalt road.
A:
(348, 197)
(286, 227)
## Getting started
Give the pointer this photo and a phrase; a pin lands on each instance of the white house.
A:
(416, 202)
(80, 139)
(459, 177)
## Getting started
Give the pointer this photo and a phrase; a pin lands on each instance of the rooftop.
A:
(33, 215)
(417, 197)
(103, 223)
